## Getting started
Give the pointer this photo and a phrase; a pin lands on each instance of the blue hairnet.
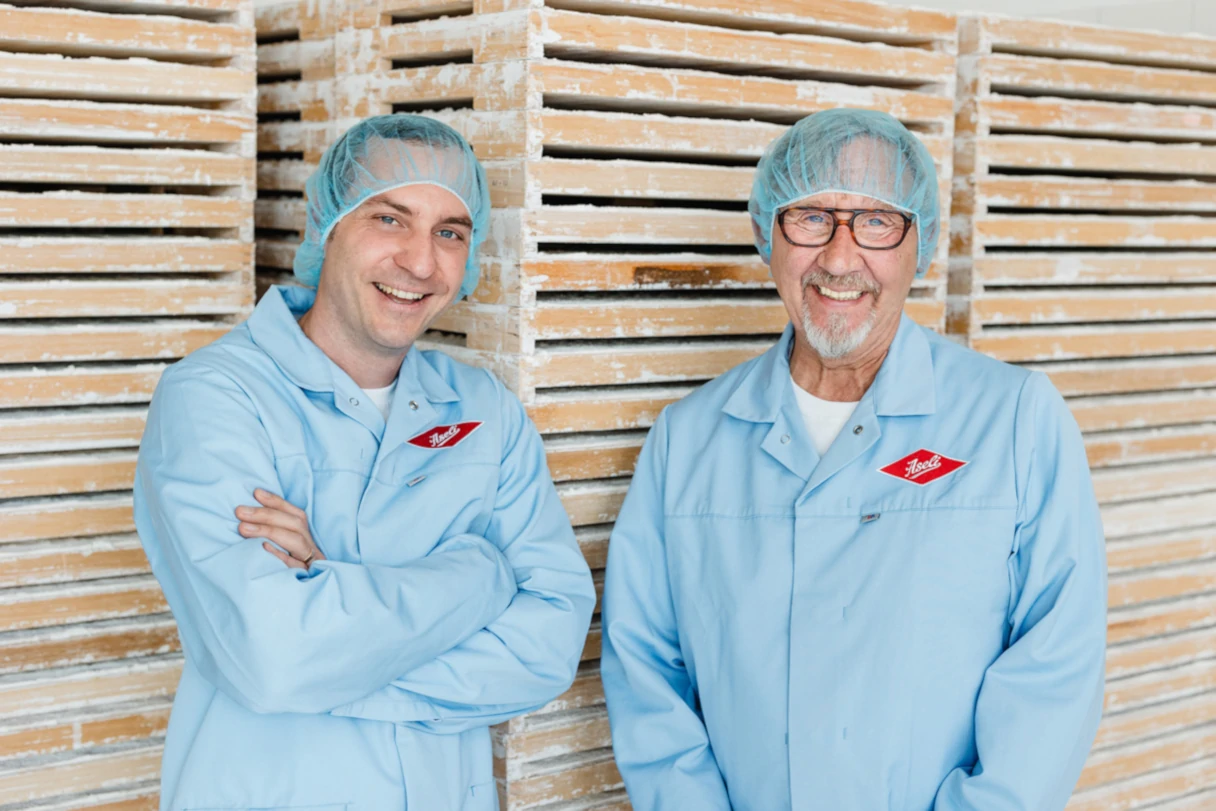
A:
(388, 152)
(855, 151)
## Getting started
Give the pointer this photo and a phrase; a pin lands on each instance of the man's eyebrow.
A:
(384, 201)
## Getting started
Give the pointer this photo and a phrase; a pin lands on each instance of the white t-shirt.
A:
(382, 398)
(824, 418)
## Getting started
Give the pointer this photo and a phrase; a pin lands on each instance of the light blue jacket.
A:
(454, 595)
(789, 633)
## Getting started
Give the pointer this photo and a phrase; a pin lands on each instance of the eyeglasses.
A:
(878, 230)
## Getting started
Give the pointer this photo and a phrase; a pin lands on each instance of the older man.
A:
(410, 576)
(864, 570)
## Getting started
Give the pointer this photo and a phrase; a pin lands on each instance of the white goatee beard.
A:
(835, 341)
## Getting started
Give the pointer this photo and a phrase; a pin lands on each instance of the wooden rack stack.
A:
(1085, 190)
(127, 180)
(620, 138)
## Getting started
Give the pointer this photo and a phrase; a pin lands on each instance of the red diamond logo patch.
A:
(922, 467)
(442, 437)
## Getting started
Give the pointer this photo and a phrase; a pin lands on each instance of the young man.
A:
(865, 570)
(407, 576)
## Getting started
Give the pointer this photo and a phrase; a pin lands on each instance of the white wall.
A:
(1174, 16)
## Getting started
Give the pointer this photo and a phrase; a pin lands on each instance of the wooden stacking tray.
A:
(1083, 227)
(620, 139)
(127, 181)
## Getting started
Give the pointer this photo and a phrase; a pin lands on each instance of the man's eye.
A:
(387, 219)
(814, 218)
(448, 233)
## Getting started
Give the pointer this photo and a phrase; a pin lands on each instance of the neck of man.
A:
(369, 367)
(841, 380)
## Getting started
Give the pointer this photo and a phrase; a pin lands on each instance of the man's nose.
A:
(416, 254)
(842, 254)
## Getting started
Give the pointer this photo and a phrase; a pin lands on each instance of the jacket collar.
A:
(904, 385)
(275, 328)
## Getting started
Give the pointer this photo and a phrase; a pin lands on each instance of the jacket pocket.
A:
(482, 797)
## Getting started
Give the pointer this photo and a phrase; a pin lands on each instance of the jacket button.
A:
(785, 438)
(354, 402)
(413, 406)
(857, 429)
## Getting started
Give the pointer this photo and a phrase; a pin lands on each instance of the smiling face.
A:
(391, 266)
(844, 301)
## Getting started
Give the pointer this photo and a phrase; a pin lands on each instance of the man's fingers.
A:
(288, 559)
(269, 499)
(272, 517)
(289, 541)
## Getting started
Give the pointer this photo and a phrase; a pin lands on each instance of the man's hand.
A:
(283, 523)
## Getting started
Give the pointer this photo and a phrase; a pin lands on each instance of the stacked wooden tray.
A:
(620, 138)
(1085, 217)
(127, 137)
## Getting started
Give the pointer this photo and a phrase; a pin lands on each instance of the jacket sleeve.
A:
(658, 735)
(529, 654)
(272, 638)
(1038, 708)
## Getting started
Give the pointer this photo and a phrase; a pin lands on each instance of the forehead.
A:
(422, 199)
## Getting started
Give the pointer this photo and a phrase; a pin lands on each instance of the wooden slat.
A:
(1039, 343)
(1143, 410)
(1138, 623)
(144, 297)
(1161, 583)
(1079, 305)
(1159, 653)
(877, 21)
(582, 272)
(1147, 789)
(1161, 479)
(65, 518)
(1039, 191)
(98, 165)
(1055, 38)
(45, 606)
(69, 255)
(616, 365)
(1157, 753)
(590, 459)
(608, 224)
(88, 644)
(1158, 515)
(592, 503)
(1096, 118)
(106, 728)
(626, 133)
(90, 210)
(1046, 153)
(641, 179)
(1151, 445)
(591, 773)
(83, 687)
(51, 76)
(100, 341)
(1059, 230)
(65, 474)
(1109, 377)
(71, 429)
(1094, 268)
(101, 385)
(81, 774)
(673, 90)
(628, 39)
(85, 33)
(71, 121)
(72, 560)
(600, 409)
(1065, 77)
(1162, 550)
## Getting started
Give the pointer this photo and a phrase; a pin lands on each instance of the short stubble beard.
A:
(834, 341)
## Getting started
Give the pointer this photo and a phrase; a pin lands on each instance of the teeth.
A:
(839, 295)
(395, 293)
